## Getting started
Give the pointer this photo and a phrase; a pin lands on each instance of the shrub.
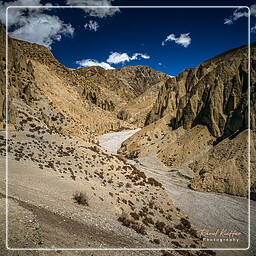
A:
(139, 228)
(135, 215)
(147, 221)
(156, 241)
(160, 226)
(80, 198)
(154, 182)
(185, 223)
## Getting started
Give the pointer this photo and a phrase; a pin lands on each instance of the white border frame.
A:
(130, 249)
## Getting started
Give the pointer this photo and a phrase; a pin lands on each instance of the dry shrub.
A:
(80, 198)
(154, 182)
(127, 222)
(160, 226)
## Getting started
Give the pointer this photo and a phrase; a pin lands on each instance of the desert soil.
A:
(208, 211)
(42, 214)
(50, 218)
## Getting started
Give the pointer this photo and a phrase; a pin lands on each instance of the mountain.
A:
(64, 189)
(127, 87)
(202, 113)
(96, 88)
(128, 82)
(213, 94)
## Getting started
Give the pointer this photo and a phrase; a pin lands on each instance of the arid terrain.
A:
(124, 158)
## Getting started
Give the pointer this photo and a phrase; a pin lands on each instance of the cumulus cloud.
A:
(14, 14)
(96, 12)
(183, 39)
(42, 29)
(116, 57)
(92, 25)
(32, 25)
(91, 62)
(240, 13)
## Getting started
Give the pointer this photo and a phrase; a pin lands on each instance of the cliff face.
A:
(127, 82)
(130, 89)
(21, 78)
(199, 122)
(54, 115)
(35, 74)
(213, 94)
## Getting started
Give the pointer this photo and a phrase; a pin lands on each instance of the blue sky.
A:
(168, 40)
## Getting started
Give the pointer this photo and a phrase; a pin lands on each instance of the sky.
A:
(166, 39)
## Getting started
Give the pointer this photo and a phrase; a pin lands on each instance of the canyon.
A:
(126, 158)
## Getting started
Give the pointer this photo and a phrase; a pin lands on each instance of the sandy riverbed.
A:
(208, 211)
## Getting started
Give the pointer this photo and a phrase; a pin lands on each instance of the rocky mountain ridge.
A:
(127, 82)
(55, 160)
(109, 90)
(213, 94)
(199, 115)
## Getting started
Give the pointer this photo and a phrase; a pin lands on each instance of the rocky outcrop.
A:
(20, 79)
(213, 94)
(224, 169)
(136, 110)
(131, 90)
(49, 95)
(199, 122)
(127, 82)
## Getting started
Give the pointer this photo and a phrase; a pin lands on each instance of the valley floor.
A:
(44, 213)
(208, 211)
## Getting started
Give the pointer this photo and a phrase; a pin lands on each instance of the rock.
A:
(225, 167)
(200, 114)
(213, 94)
(122, 114)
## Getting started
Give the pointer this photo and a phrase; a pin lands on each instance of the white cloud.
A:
(14, 14)
(136, 56)
(228, 21)
(32, 25)
(240, 13)
(41, 29)
(116, 57)
(92, 25)
(95, 12)
(160, 63)
(90, 62)
(183, 39)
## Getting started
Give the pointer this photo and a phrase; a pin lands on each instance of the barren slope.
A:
(53, 153)
(199, 114)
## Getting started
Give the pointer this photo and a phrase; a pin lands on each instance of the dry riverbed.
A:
(208, 211)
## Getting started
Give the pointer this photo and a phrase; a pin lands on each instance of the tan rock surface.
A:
(224, 169)
(53, 153)
(194, 112)
(213, 94)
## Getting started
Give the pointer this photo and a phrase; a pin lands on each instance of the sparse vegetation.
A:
(127, 222)
(80, 198)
